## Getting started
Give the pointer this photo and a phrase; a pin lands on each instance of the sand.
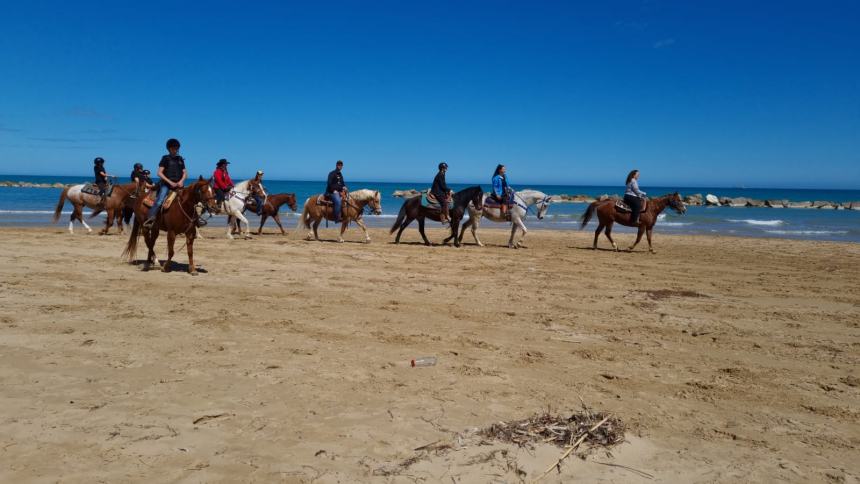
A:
(729, 359)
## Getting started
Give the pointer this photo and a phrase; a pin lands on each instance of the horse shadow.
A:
(174, 266)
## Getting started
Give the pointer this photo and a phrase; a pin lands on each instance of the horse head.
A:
(291, 201)
(677, 203)
(203, 193)
(473, 195)
(376, 203)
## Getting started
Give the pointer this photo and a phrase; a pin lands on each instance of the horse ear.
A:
(201, 178)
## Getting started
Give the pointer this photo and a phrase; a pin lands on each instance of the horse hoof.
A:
(652, 251)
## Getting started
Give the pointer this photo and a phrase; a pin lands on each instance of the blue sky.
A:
(691, 93)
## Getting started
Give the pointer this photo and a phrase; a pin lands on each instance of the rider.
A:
(147, 181)
(500, 190)
(101, 176)
(336, 189)
(633, 196)
(223, 183)
(171, 176)
(441, 191)
(255, 186)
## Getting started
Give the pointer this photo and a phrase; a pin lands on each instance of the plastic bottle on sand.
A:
(424, 361)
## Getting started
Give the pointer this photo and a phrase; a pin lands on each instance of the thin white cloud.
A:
(664, 43)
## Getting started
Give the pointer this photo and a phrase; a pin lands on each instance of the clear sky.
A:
(701, 93)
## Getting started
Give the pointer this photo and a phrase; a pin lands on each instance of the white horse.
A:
(233, 205)
(523, 200)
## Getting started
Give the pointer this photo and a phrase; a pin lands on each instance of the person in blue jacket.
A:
(500, 190)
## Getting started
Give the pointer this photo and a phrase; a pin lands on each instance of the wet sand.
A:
(729, 359)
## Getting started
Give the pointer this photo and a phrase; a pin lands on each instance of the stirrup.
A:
(201, 222)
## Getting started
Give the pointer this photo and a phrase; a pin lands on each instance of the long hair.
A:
(631, 175)
(498, 169)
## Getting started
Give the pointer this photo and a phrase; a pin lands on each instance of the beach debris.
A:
(423, 361)
(206, 418)
(594, 428)
(659, 294)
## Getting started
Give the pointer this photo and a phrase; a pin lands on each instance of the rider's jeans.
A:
(259, 201)
(338, 204)
(163, 190)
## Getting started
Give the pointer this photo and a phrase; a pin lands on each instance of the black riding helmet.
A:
(172, 142)
(99, 160)
(443, 165)
(138, 166)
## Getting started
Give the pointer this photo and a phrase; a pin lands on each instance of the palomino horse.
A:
(272, 205)
(412, 209)
(522, 201)
(234, 205)
(314, 212)
(120, 197)
(608, 214)
(180, 218)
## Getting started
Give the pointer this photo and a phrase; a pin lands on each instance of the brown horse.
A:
(119, 198)
(412, 209)
(314, 213)
(181, 217)
(608, 214)
(272, 205)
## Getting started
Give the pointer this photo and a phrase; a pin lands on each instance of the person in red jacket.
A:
(223, 183)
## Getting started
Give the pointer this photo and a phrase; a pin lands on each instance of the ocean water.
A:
(34, 206)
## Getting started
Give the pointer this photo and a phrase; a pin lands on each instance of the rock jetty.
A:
(697, 199)
(21, 184)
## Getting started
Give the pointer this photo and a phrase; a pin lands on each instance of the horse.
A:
(119, 197)
(180, 217)
(314, 212)
(608, 214)
(272, 205)
(234, 206)
(522, 201)
(412, 209)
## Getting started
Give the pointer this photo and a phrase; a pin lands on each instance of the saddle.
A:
(623, 207)
(93, 189)
(149, 201)
(430, 201)
(324, 199)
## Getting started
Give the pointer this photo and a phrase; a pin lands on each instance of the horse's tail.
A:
(400, 217)
(96, 212)
(305, 220)
(131, 246)
(59, 209)
(586, 217)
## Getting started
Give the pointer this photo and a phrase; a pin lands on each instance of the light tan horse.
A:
(314, 213)
(120, 197)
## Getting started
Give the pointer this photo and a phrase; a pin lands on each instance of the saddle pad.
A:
(169, 200)
(322, 200)
(429, 201)
(90, 189)
(149, 201)
(623, 207)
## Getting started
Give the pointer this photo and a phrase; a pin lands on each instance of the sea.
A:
(34, 207)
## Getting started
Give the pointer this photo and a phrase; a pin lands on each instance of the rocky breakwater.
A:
(20, 184)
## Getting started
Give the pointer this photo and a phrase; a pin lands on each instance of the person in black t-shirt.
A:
(101, 175)
(171, 175)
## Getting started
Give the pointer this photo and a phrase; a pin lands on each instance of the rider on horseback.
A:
(441, 191)
(101, 176)
(336, 189)
(501, 191)
(255, 187)
(171, 176)
(633, 196)
(141, 176)
(223, 183)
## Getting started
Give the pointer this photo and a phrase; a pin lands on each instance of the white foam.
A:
(752, 221)
(675, 224)
(807, 232)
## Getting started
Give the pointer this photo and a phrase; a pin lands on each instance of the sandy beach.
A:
(729, 359)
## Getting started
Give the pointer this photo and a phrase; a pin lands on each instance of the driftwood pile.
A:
(563, 431)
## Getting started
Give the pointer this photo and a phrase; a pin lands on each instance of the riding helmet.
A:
(259, 172)
(146, 172)
(443, 165)
(138, 166)
(223, 161)
(99, 160)
(172, 142)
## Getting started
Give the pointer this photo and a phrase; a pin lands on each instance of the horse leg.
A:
(648, 234)
(402, 227)
(171, 238)
(72, 222)
(189, 244)
(230, 227)
(79, 212)
(360, 223)
(476, 223)
(421, 230)
(262, 221)
(455, 225)
(240, 219)
(277, 219)
(524, 230)
(108, 222)
(149, 237)
(343, 227)
(638, 237)
(609, 236)
(316, 226)
(597, 234)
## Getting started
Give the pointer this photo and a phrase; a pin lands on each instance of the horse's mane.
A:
(529, 191)
(466, 194)
(364, 194)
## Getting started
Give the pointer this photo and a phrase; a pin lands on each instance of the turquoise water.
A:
(34, 206)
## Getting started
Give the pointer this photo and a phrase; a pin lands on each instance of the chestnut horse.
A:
(272, 205)
(118, 199)
(412, 209)
(608, 214)
(180, 217)
(352, 211)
